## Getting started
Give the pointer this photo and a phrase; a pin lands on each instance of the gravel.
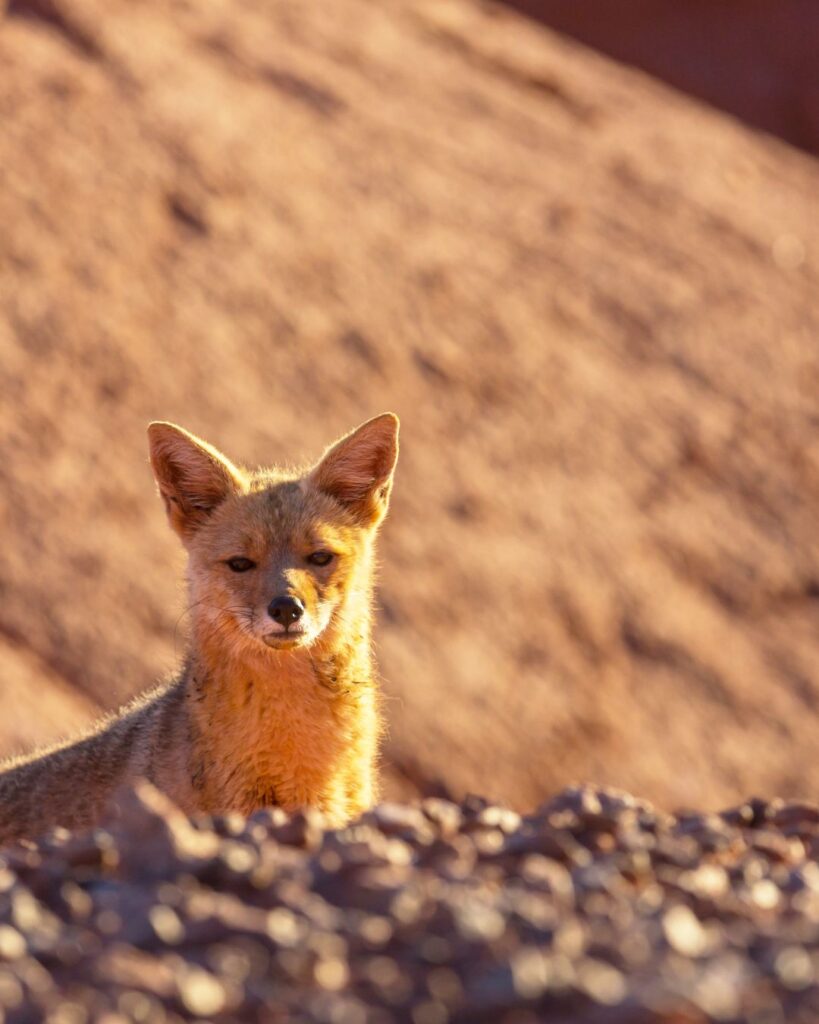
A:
(596, 908)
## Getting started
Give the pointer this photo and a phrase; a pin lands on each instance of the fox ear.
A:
(193, 477)
(357, 470)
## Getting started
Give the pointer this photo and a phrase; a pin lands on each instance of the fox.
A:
(277, 702)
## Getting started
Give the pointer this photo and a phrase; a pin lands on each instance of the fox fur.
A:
(262, 713)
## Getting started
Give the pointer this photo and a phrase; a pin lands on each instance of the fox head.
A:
(275, 558)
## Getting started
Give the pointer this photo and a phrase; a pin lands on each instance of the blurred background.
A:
(556, 242)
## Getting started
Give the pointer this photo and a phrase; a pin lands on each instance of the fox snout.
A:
(285, 610)
(289, 623)
(296, 613)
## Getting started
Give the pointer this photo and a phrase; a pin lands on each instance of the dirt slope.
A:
(592, 302)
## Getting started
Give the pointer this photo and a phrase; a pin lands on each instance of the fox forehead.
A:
(274, 515)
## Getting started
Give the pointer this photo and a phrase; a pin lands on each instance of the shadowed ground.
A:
(754, 59)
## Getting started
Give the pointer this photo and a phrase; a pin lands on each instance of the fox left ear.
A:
(357, 470)
(192, 476)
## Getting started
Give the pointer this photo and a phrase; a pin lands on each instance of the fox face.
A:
(276, 560)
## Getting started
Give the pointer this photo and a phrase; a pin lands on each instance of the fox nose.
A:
(285, 610)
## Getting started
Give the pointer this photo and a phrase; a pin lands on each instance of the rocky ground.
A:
(597, 908)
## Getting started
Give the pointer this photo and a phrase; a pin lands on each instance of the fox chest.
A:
(292, 750)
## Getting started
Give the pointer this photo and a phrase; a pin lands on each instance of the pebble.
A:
(201, 993)
(683, 931)
(12, 943)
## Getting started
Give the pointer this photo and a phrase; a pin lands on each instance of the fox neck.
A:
(220, 664)
(291, 728)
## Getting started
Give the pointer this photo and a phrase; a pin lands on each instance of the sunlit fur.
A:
(257, 717)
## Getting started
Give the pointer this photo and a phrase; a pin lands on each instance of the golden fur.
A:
(264, 712)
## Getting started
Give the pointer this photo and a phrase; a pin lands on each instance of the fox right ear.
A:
(357, 470)
(192, 476)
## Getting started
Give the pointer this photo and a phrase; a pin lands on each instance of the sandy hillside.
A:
(592, 302)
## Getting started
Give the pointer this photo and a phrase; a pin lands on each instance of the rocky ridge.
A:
(596, 908)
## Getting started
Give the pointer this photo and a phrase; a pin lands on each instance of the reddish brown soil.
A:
(593, 303)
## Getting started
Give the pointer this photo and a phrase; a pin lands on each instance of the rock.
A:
(148, 832)
(684, 932)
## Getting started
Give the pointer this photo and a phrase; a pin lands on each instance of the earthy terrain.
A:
(592, 302)
(596, 908)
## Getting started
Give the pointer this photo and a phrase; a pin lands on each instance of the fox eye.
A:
(320, 557)
(240, 564)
